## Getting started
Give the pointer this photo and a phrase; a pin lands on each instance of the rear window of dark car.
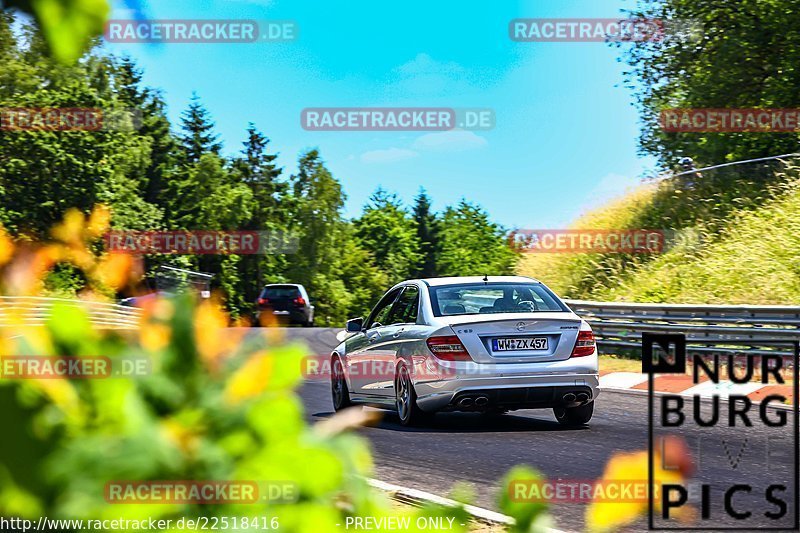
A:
(491, 298)
(279, 292)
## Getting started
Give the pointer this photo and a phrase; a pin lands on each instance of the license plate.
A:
(515, 344)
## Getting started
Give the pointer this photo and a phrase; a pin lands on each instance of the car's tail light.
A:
(584, 345)
(448, 348)
(300, 300)
(263, 301)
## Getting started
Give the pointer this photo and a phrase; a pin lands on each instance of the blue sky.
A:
(565, 133)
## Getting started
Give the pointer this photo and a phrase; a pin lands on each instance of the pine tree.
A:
(154, 124)
(198, 137)
(428, 235)
(258, 170)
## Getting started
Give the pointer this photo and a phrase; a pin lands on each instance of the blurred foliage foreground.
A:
(214, 406)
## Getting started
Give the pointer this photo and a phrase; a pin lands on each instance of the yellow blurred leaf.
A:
(114, 270)
(154, 337)
(251, 379)
(6, 247)
(182, 436)
(99, 221)
(213, 338)
(62, 393)
(608, 515)
(70, 230)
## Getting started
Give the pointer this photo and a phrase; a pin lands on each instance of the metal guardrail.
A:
(35, 311)
(736, 329)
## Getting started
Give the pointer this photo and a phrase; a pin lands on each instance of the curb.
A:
(722, 399)
(418, 498)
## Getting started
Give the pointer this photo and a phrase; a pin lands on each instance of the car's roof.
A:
(282, 285)
(435, 282)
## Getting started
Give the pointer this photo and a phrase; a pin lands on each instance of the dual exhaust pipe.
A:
(480, 401)
(572, 397)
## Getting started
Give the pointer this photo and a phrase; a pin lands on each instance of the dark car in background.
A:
(286, 302)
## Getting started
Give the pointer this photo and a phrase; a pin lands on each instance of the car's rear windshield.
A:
(487, 298)
(277, 292)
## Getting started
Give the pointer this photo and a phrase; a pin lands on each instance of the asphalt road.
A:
(478, 450)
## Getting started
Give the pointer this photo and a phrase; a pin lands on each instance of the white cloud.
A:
(449, 141)
(262, 3)
(390, 155)
(438, 142)
(423, 75)
(424, 64)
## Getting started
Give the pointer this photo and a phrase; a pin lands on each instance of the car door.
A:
(394, 334)
(371, 345)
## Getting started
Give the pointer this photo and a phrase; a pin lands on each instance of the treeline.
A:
(165, 176)
(733, 54)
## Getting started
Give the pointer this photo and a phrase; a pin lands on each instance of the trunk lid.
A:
(484, 336)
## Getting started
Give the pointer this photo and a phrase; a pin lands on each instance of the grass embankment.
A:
(614, 363)
(739, 243)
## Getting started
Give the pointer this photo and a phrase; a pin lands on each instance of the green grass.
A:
(741, 244)
(613, 363)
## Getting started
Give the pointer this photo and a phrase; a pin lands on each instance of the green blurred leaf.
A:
(68, 25)
(528, 515)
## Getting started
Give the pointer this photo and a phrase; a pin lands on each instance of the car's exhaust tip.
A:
(568, 397)
(582, 396)
(481, 401)
(466, 402)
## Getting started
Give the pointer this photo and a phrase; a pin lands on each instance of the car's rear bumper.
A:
(291, 315)
(512, 386)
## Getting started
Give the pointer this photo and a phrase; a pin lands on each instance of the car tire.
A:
(339, 391)
(406, 399)
(574, 416)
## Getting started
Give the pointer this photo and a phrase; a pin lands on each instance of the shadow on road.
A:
(469, 423)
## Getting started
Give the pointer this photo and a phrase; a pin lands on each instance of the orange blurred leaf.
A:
(114, 270)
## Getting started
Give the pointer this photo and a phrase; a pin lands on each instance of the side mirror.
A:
(354, 325)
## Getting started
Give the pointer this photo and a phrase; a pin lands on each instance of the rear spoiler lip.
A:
(456, 320)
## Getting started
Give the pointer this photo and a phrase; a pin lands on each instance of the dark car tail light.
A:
(300, 300)
(584, 345)
(448, 348)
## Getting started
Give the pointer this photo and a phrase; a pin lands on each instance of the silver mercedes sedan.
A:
(489, 344)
